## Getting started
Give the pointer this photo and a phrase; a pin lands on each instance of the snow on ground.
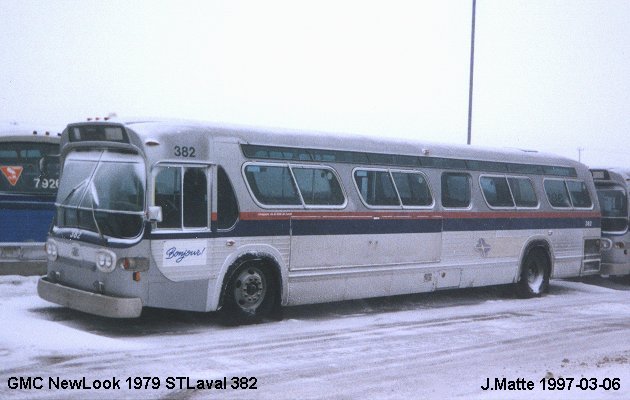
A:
(437, 345)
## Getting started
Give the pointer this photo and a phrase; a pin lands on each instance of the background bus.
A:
(29, 177)
(205, 217)
(612, 190)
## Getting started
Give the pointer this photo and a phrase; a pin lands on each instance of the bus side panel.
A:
(485, 257)
(335, 260)
(568, 250)
(25, 225)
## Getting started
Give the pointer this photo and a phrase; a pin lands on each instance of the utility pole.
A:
(580, 150)
(472, 63)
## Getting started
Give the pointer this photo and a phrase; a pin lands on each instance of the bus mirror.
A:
(155, 214)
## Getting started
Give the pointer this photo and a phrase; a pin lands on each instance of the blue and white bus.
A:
(29, 178)
(204, 217)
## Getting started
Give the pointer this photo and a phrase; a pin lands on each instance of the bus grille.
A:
(592, 256)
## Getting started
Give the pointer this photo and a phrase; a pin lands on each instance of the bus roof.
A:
(163, 130)
(24, 133)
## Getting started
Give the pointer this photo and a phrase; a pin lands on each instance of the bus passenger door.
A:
(179, 242)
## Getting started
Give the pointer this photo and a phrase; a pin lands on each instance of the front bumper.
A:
(92, 303)
(615, 269)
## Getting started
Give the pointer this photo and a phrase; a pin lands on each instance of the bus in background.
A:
(612, 190)
(29, 177)
(204, 217)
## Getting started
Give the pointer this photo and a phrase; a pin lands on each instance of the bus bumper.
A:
(616, 269)
(92, 303)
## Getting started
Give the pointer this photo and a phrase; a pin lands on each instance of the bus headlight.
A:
(607, 244)
(105, 261)
(52, 252)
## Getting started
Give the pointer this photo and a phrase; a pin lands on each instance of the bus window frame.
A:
(587, 191)
(156, 167)
(566, 188)
(364, 202)
(290, 166)
(470, 187)
(411, 171)
(319, 206)
(507, 180)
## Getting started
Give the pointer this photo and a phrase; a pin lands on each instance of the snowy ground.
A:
(438, 345)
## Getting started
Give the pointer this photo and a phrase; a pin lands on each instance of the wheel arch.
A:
(541, 244)
(265, 255)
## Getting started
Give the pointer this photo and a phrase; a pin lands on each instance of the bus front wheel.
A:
(534, 279)
(250, 295)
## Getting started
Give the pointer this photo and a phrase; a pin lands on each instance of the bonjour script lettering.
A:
(178, 255)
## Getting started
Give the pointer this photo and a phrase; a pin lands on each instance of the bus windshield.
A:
(102, 192)
(614, 206)
(29, 168)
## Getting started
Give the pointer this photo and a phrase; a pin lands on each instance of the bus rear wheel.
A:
(534, 279)
(250, 295)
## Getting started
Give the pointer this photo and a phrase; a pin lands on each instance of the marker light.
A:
(51, 250)
(134, 263)
(105, 261)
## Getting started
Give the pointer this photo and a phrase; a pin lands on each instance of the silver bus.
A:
(612, 186)
(204, 217)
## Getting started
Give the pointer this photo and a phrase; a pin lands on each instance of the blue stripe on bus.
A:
(345, 226)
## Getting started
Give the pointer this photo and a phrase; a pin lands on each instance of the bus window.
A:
(579, 194)
(456, 190)
(227, 206)
(614, 205)
(195, 198)
(523, 192)
(168, 196)
(413, 189)
(29, 168)
(272, 185)
(376, 188)
(318, 186)
(557, 193)
(496, 191)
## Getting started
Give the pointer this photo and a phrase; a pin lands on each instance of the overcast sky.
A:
(552, 75)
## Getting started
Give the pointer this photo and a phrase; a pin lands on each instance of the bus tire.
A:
(251, 294)
(535, 271)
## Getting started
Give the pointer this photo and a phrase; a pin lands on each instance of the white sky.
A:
(552, 75)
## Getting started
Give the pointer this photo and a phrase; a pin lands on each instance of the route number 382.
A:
(184, 151)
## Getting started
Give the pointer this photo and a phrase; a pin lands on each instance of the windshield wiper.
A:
(94, 197)
(74, 189)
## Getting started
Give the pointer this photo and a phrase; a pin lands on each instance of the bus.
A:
(205, 217)
(612, 186)
(29, 176)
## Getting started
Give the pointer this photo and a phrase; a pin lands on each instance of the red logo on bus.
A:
(12, 173)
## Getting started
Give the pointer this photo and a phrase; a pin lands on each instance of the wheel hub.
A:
(250, 288)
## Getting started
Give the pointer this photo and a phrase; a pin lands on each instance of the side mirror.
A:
(155, 214)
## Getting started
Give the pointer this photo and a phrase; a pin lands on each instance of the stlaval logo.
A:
(483, 247)
(12, 173)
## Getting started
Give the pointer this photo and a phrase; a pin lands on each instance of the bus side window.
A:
(195, 198)
(523, 191)
(579, 194)
(456, 190)
(557, 193)
(496, 191)
(227, 206)
(168, 196)
(376, 188)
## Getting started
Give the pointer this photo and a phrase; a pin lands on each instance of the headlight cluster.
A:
(105, 261)
(51, 250)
